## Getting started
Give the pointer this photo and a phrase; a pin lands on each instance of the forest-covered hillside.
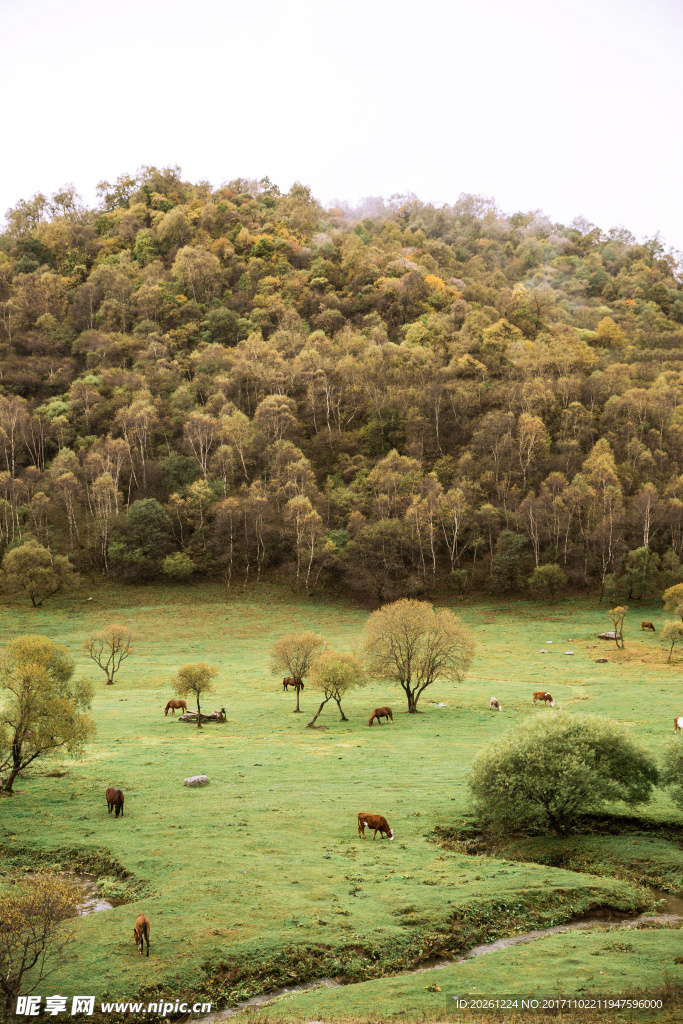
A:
(228, 381)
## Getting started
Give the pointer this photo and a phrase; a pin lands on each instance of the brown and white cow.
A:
(376, 821)
(678, 724)
(493, 703)
(647, 625)
(545, 697)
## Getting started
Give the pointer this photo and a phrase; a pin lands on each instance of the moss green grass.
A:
(260, 878)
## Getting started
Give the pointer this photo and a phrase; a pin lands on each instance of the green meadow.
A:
(578, 965)
(260, 879)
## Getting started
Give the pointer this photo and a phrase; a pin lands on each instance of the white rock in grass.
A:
(197, 780)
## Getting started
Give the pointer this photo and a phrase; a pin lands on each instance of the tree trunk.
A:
(10, 781)
(312, 721)
(343, 716)
(555, 824)
(297, 709)
(199, 715)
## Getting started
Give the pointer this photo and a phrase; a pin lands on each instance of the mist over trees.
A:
(230, 381)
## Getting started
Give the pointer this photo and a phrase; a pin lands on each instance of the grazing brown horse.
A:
(296, 683)
(380, 713)
(141, 932)
(114, 800)
(181, 705)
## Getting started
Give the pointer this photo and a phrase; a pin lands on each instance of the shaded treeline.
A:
(231, 380)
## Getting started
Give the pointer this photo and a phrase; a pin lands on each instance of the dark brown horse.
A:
(380, 713)
(115, 800)
(141, 932)
(298, 684)
(181, 705)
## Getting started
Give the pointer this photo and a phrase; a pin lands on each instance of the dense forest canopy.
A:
(224, 381)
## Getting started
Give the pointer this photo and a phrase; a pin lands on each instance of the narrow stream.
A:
(671, 912)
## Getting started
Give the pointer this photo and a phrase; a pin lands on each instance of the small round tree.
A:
(194, 681)
(672, 634)
(33, 570)
(673, 600)
(108, 648)
(546, 580)
(413, 645)
(617, 616)
(294, 654)
(333, 675)
(178, 566)
(550, 771)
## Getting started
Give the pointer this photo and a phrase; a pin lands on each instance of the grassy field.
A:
(260, 879)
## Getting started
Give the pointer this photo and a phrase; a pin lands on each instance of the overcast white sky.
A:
(573, 107)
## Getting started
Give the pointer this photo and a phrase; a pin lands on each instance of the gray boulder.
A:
(197, 780)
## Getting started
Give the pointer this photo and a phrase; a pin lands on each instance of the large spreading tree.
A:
(414, 645)
(550, 771)
(43, 709)
(36, 572)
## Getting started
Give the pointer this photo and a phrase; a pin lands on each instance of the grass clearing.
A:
(260, 878)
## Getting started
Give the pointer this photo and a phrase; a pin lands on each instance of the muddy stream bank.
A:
(90, 901)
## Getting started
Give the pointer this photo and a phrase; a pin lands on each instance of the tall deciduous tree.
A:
(197, 270)
(108, 648)
(43, 710)
(413, 645)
